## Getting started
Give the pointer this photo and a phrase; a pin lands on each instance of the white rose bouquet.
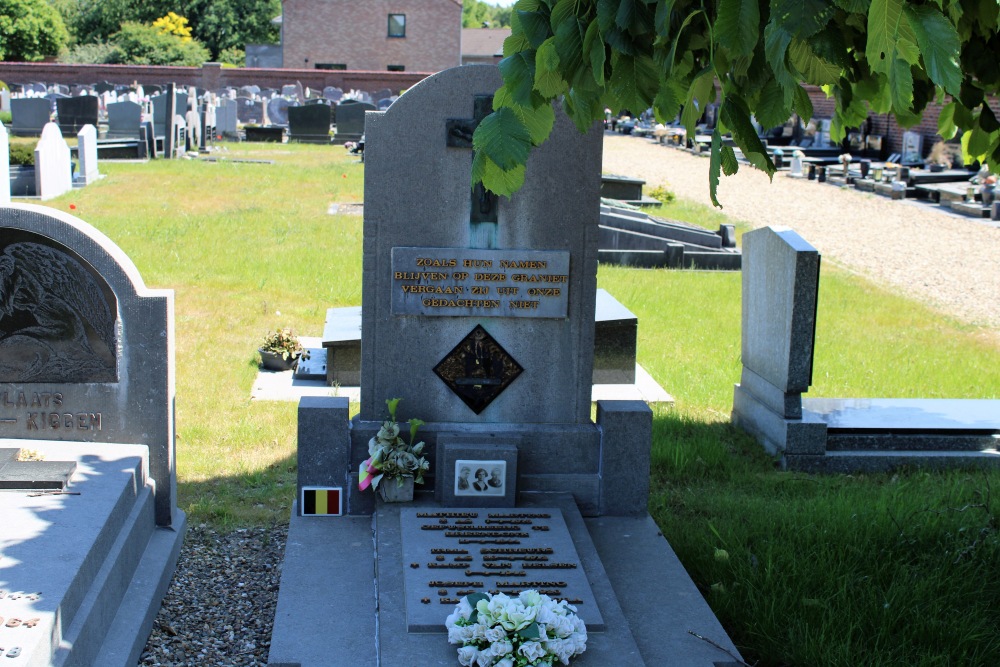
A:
(530, 630)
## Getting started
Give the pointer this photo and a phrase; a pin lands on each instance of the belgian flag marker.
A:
(321, 501)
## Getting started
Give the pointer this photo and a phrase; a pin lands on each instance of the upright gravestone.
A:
(87, 381)
(249, 110)
(351, 120)
(75, 112)
(309, 123)
(29, 115)
(780, 285)
(86, 150)
(53, 167)
(277, 111)
(478, 312)
(124, 120)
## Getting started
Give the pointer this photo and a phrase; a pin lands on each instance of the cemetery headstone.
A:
(780, 284)
(479, 313)
(86, 380)
(332, 93)
(124, 120)
(249, 111)
(4, 99)
(226, 118)
(351, 120)
(104, 87)
(160, 104)
(29, 115)
(53, 167)
(277, 110)
(75, 112)
(86, 142)
(309, 123)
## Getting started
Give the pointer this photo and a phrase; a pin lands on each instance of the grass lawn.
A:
(802, 570)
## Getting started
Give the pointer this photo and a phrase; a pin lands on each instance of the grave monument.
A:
(91, 529)
(478, 312)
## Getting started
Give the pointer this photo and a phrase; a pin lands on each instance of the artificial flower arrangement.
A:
(390, 456)
(530, 630)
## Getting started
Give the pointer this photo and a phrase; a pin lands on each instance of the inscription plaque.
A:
(478, 369)
(480, 283)
(563, 578)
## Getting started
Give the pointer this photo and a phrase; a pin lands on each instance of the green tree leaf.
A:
(938, 42)
(813, 69)
(633, 82)
(771, 110)
(735, 116)
(548, 80)
(700, 95)
(534, 25)
(729, 163)
(946, 121)
(497, 180)
(504, 138)
(737, 26)
(715, 166)
(538, 120)
(593, 47)
(518, 73)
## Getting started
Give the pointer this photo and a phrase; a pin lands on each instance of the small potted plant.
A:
(938, 160)
(393, 464)
(280, 350)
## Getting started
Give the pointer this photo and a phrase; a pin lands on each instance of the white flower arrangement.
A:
(390, 456)
(530, 630)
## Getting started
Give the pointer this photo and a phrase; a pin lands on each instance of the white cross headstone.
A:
(53, 167)
(87, 152)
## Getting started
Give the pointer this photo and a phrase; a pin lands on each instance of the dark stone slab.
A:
(342, 342)
(615, 334)
(621, 187)
(277, 110)
(351, 120)
(274, 135)
(249, 110)
(309, 123)
(124, 120)
(29, 115)
(75, 112)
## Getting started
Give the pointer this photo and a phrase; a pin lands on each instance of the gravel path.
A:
(950, 263)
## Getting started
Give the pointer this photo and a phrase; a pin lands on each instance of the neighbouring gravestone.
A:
(87, 383)
(332, 93)
(4, 99)
(249, 111)
(53, 167)
(124, 120)
(29, 115)
(4, 166)
(160, 103)
(277, 110)
(226, 118)
(780, 285)
(86, 150)
(309, 123)
(351, 120)
(75, 112)
(478, 312)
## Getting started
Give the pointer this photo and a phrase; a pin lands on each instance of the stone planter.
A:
(392, 492)
(275, 362)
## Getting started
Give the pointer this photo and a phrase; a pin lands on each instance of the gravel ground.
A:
(949, 262)
(220, 606)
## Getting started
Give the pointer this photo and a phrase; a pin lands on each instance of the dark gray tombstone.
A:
(309, 123)
(382, 94)
(124, 120)
(29, 115)
(35, 87)
(351, 120)
(97, 400)
(277, 110)
(384, 104)
(160, 104)
(104, 87)
(75, 112)
(333, 93)
(249, 111)
(249, 91)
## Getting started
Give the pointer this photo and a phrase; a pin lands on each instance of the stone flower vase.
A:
(273, 361)
(391, 492)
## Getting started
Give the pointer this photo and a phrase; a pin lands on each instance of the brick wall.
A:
(355, 33)
(209, 77)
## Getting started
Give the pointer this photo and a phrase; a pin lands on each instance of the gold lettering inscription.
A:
(461, 303)
(479, 263)
(491, 277)
(522, 264)
(508, 291)
(434, 289)
(540, 278)
(544, 291)
(429, 261)
(419, 275)
(523, 305)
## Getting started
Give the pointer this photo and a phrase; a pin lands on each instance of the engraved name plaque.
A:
(450, 553)
(480, 283)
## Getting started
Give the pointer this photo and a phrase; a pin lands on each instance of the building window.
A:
(331, 65)
(397, 25)
(396, 68)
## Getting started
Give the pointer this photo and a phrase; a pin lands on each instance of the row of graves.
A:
(54, 172)
(121, 113)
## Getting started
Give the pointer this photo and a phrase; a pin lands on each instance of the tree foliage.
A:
(750, 56)
(217, 24)
(138, 44)
(476, 14)
(30, 30)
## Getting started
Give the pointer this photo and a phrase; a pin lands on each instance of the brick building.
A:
(374, 35)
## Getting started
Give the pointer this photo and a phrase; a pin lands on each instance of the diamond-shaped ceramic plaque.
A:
(478, 369)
